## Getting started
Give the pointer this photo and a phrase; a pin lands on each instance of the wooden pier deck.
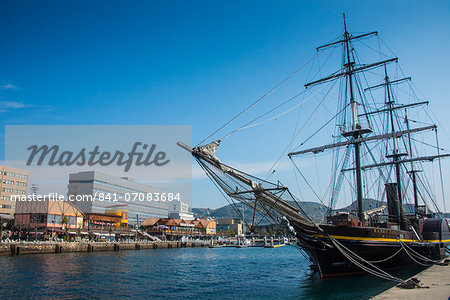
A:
(436, 278)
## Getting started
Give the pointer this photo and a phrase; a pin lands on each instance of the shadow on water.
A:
(362, 286)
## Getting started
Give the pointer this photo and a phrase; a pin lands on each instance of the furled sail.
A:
(273, 201)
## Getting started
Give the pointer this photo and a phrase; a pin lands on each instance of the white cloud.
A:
(6, 106)
(11, 105)
(9, 86)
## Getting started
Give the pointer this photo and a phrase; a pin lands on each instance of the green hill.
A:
(314, 210)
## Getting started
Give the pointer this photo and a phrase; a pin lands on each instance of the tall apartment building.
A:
(108, 191)
(13, 182)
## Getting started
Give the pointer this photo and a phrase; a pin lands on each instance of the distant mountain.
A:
(372, 203)
(314, 210)
(367, 204)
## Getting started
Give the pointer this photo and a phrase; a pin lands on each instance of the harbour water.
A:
(224, 273)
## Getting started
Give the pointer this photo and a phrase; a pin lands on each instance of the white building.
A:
(105, 191)
(180, 210)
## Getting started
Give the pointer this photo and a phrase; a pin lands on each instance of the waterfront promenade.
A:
(435, 278)
(21, 248)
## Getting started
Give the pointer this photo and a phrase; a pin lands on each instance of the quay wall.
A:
(13, 249)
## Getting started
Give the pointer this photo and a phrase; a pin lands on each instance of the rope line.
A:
(418, 255)
(259, 100)
(247, 125)
(386, 259)
(310, 119)
(358, 261)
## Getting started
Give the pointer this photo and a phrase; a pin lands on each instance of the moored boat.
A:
(378, 137)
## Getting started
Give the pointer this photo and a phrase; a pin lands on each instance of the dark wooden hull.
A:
(379, 246)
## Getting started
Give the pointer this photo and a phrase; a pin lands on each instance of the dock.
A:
(20, 248)
(275, 246)
(435, 281)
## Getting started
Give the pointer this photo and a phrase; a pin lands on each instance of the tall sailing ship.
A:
(369, 138)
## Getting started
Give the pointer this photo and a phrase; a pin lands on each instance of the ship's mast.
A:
(395, 152)
(357, 135)
(356, 128)
(413, 171)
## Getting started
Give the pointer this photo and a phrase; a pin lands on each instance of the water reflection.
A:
(178, 273)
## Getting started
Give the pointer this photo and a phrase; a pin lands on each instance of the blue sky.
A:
(194, 62)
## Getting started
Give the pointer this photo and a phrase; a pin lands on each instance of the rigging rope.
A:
(358, 261)
(302, 252)
(290, 146)
(220, 190)
(412, 253)
(218, 183)
(247, 125)
(307, 182)
(386, 259)
(260, 99)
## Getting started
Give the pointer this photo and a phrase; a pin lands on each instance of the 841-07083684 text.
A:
(158, 197)
(105, 196)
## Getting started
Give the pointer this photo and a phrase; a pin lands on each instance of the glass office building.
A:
(96, 192)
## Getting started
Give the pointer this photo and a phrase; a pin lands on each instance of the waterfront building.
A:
(269, 229)
(111, 226)
(122, 213)
(180, 210)
(209, 226)
(96, 221)
(177, 228)
(230, 227)
(46, 215)
(104, 191)
(13, 182)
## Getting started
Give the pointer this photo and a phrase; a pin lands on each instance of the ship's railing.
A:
(380, 218)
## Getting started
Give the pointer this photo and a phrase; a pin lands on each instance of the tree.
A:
(65, 223)
(9, 225)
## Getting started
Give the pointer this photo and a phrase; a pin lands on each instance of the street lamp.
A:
(53, 228)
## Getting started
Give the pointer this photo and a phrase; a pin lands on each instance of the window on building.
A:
(72, 220)
(55, 219)
(38, 218)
